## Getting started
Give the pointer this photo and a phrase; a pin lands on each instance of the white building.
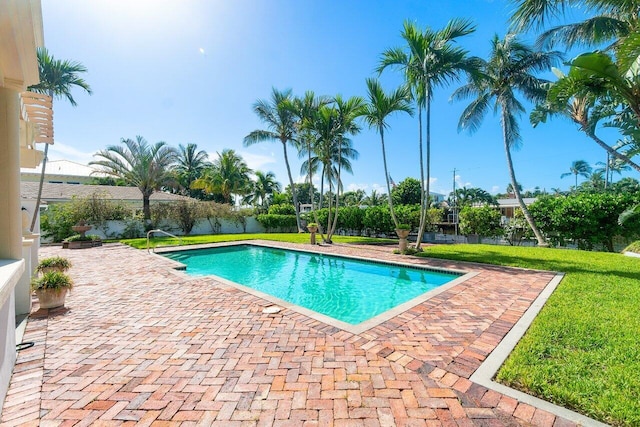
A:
(61, 172)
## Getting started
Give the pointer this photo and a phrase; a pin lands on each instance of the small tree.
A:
(483, 221)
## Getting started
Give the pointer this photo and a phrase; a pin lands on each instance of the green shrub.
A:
(589, 219)
(273, 222)
(484, 221)
(56, 262)
(282, 209)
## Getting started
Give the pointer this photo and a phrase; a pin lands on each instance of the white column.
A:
(10, 214)
(10, 227)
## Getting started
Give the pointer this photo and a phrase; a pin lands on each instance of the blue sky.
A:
(189, 72)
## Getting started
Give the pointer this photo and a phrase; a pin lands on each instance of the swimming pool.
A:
(349, 290)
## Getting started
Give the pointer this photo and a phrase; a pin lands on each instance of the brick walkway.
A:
(141, 344)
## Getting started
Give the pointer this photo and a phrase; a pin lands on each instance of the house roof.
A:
(65, 168)
(62, 192)
(513, 203)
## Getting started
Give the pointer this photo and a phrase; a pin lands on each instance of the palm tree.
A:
(510, 68)
(429, 60)
(278, 115)
(57, 79)
(227, 175)
(145, 166)
(375, 199)
(612, 21)
(306, 112)
(578, 167)
(379, 107)
(571, 98)
(262, 188)
(190, 163)
(611, 166)
(332, 150)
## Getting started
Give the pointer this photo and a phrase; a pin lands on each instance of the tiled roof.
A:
(64, 167)
(61, 192)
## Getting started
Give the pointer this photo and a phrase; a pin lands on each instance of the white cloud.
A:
(61, 151)
(495, 189)
(256, 161)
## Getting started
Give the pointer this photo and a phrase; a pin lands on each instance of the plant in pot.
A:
(51, 288)
(313, 229)
(403, 230)
(55, 263)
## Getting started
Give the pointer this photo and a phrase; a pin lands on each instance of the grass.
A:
(634, 247)
(582, 351)
(279, 237)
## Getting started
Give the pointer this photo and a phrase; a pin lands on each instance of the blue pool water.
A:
(346, 289)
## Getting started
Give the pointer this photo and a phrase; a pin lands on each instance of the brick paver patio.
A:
(141, 344)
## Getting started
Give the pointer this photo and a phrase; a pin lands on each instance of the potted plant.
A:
(51, 288)
(313, 229)
(403, 231)
(55, 263)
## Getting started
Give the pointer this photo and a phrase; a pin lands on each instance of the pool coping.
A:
(354, 329)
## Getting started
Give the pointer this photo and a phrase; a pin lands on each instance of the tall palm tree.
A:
(57, 79)
(190, 163)
(227, 175)
(578, 167)
(139, 164)
(377, 110)
(510, 69)
(262, 188)
(280, 119)
(429, 60)
(609, 167)
(331, 150)
(306, 111)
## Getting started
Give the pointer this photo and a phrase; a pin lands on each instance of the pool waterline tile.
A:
(357, 328)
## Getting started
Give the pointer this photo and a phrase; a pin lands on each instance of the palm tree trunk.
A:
(293, 188)
(514, 183)
(335, 218)
(329, 214)
(36, 211)
(613, 152)
(425, 207)
(386, 176)
(421, 155)
(146, 210)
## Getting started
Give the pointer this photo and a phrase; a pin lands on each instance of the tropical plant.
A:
(333, 150)
(145, 166)
(52, 280)
(611, 21)
(353, 198)
(57, 79)
(470, 196)
(374, 199)
(279, 117)
(190, 163)
(55, 263)
(572, 98)
(379, 107)
(510, 69)
(610, 167)
(262, 189)
(578, 167)
(306, 110)
(429, 60)
(227, 175)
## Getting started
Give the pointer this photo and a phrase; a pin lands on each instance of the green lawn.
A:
(583, 350)
(279, 237)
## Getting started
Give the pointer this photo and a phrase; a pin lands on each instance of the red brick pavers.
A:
(141, 344)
